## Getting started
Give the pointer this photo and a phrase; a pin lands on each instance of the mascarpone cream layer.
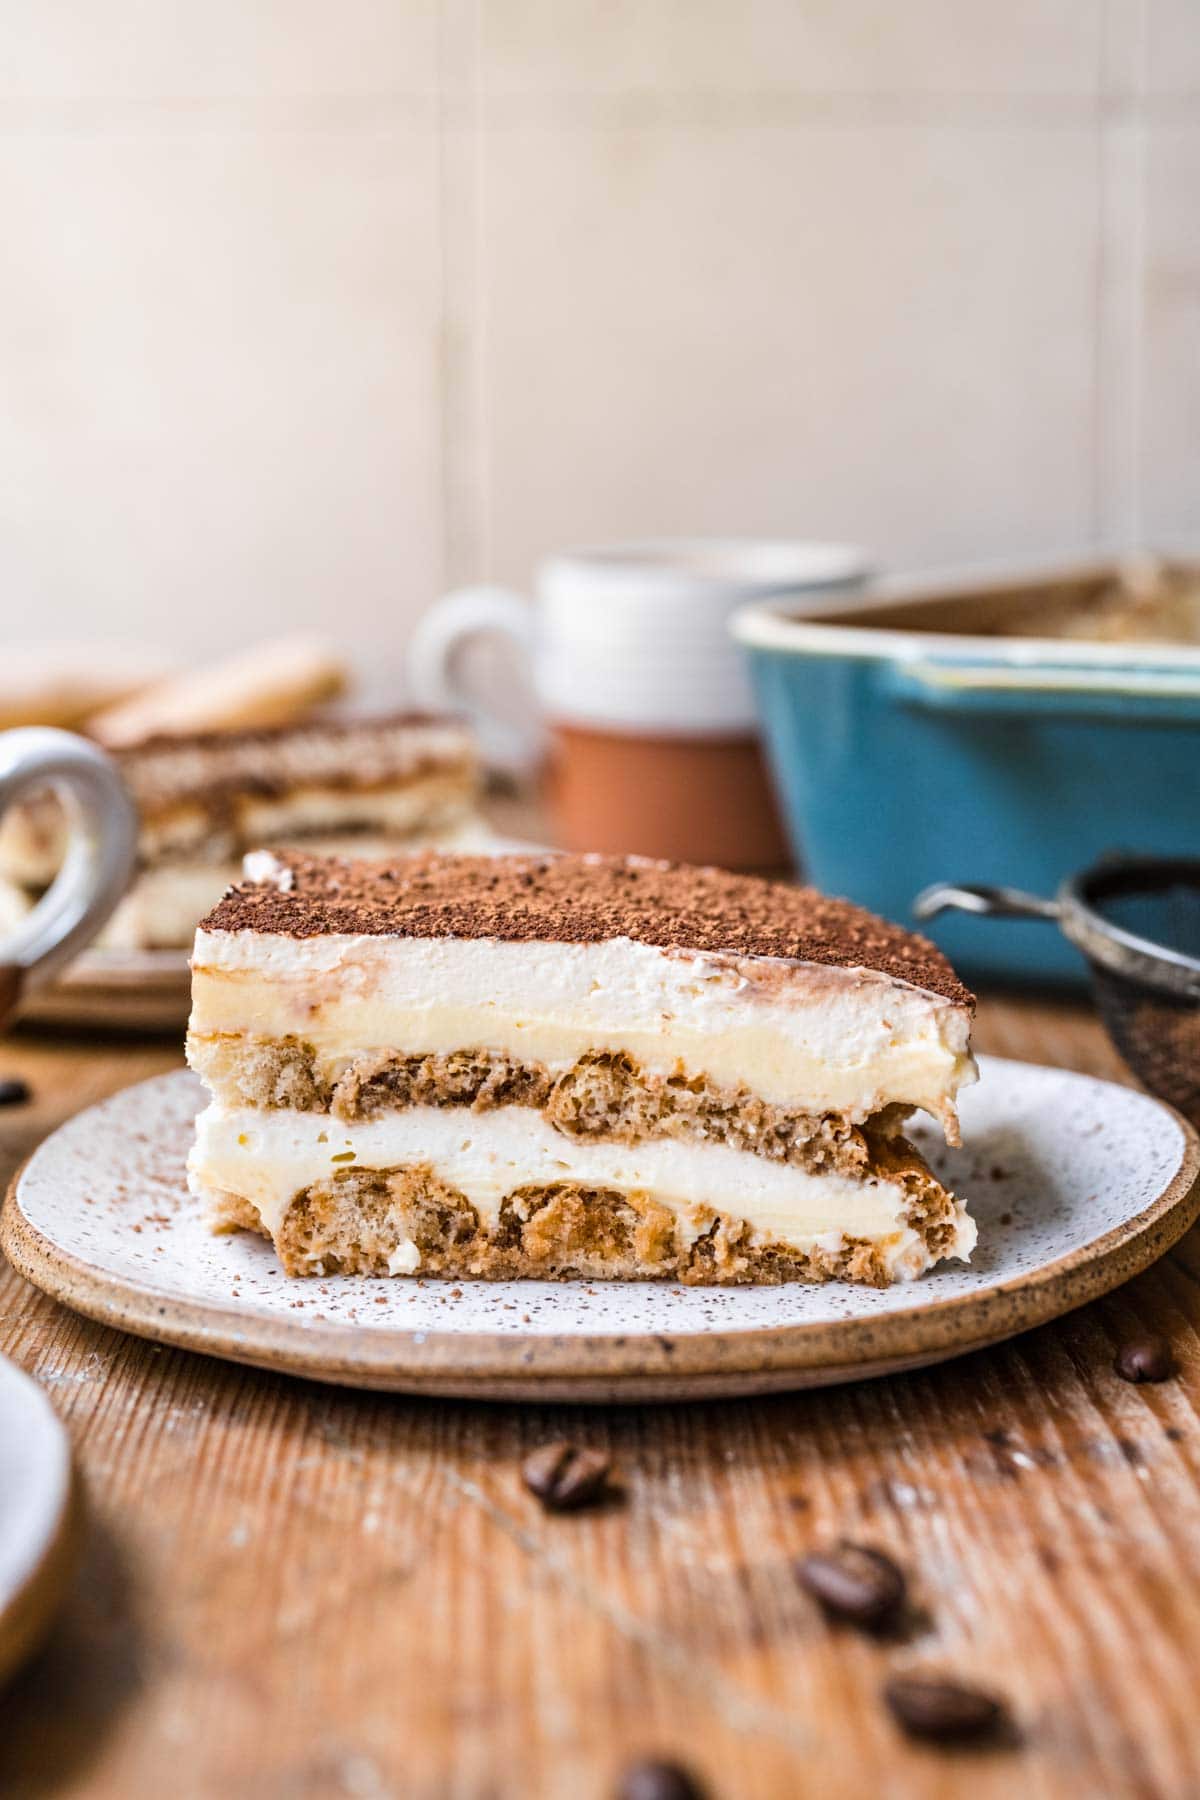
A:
(799, 1034)
(269, 1157)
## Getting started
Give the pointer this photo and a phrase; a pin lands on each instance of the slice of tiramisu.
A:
(571, 1066)
(218, 794)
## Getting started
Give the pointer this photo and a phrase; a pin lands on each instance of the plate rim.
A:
(621, 1364)
(39, 1586)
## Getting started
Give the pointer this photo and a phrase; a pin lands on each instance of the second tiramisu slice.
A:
(572, 1067)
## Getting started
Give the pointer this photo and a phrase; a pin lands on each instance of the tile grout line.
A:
(1101, 401)
(1137, 252)
(461, 440)
(1117, 313)
(633, 110)
(444, 350)
(484, 543)
(1104, 398)
(621, 108)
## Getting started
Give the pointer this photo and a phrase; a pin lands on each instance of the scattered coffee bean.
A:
(929, 1706)
(1146, 1358)
(564, 1477)
(855, 1583)
(14, 1091)
(658, 1781)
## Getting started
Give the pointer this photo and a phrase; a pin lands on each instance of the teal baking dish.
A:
(922, 737)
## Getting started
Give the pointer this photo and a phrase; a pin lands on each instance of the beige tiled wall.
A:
(310, 308)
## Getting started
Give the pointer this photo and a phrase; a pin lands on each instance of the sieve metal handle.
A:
(989, 902)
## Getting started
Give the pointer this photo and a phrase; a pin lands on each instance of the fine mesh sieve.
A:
(1137, 920)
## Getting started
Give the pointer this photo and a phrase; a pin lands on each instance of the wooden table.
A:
(292, 1591)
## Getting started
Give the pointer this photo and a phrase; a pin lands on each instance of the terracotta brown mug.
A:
(99, 860)
(641, 721)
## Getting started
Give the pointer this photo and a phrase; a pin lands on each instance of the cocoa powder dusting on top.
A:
(581, 900)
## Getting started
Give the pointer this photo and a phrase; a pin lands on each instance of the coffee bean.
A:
(854, 1582)
(564, 1477)
(1146, 1358)
(658, 1781)
(14, 1091)
(929, 1706)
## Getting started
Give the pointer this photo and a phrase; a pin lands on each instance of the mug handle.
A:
(435, 679)
(100, 858)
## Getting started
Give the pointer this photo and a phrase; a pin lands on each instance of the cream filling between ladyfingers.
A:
(269, 1157)
(845, 1040)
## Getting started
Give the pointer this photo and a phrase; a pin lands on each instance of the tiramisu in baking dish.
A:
(571, 1067)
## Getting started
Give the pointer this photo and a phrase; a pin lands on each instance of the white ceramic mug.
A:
(643, 718)
(100, 857)
(633, 637)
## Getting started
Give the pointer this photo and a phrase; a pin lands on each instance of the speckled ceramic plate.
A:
(37, 1515)
(1077, 1184)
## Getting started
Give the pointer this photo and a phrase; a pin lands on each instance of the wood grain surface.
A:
(292, 1591)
